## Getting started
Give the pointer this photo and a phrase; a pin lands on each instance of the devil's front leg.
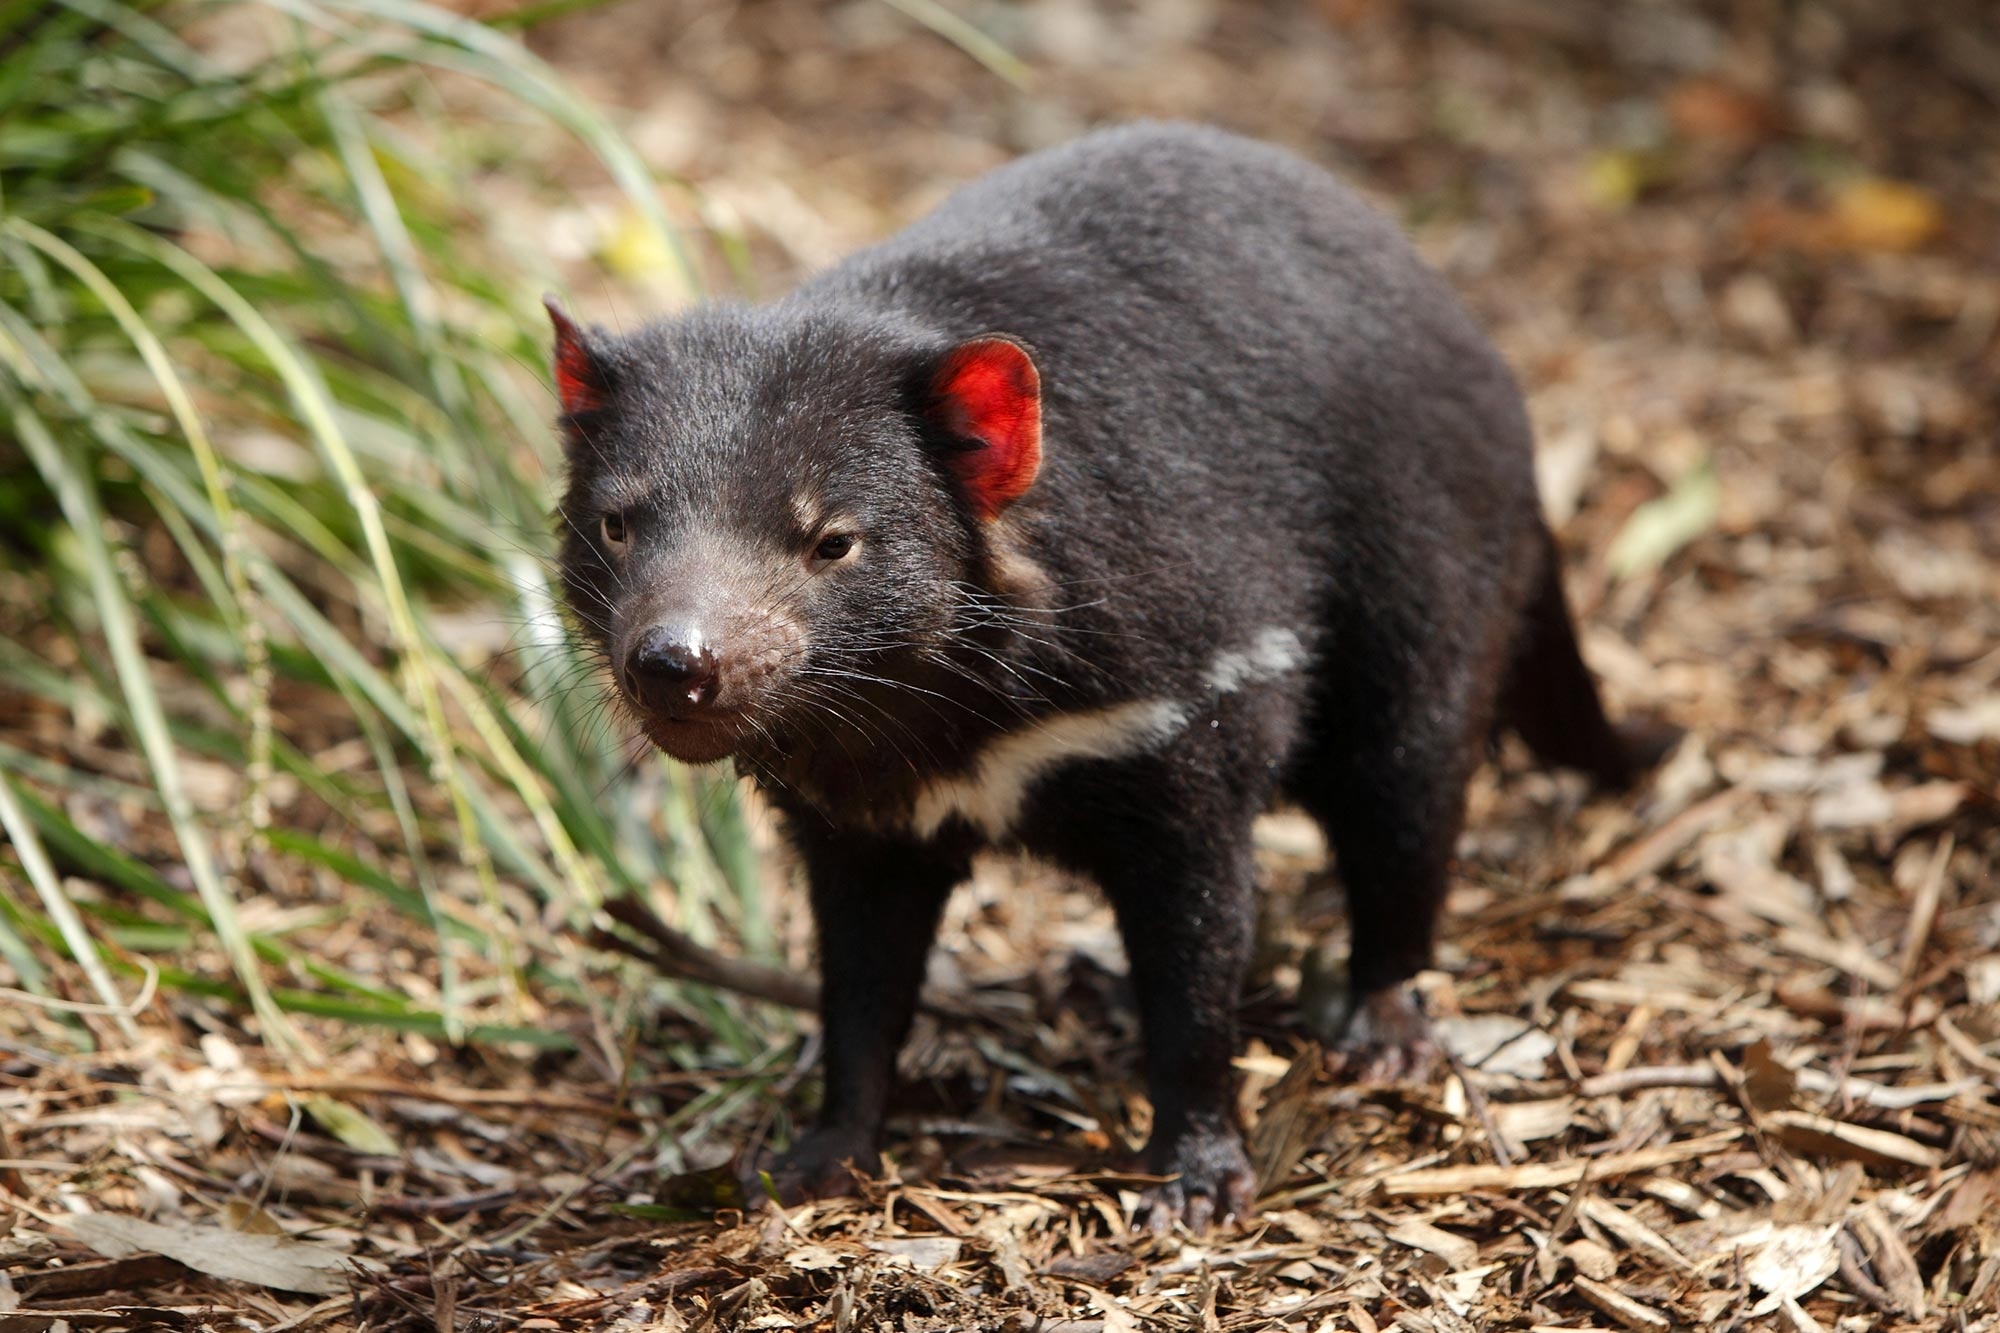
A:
(875, 904)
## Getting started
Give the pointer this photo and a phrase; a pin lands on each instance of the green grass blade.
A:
(79, 504)
(474, 49)
(315, 406)
(35, 863)
(967, 38)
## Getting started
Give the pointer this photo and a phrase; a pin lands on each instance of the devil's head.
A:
(769, 507)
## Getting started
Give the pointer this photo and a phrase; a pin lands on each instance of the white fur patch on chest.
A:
(989, 794)
(1274, 652)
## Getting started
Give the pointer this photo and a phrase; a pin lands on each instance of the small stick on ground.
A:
(675, 955)
(1503, 1152)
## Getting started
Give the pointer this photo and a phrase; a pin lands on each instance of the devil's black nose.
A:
(666, 672)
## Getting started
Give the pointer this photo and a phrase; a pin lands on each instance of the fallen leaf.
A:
(1865, 214)
(1708, 109)
(1873, 213)
(925, 1252)
(1741, 865)
(1096, 1269)
(1497, 1044)
(633, 248)
(280, 1262)
(1767, 1084)
(1662, 526)
(1615, 179)
(351, 1126)
(1787, 1262)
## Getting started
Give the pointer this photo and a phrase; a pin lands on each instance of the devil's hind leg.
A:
(1402, 707)
(1388, 787)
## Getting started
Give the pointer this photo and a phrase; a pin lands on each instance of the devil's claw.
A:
(1210, 1182)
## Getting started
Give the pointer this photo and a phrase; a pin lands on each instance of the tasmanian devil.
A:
(1149, 479)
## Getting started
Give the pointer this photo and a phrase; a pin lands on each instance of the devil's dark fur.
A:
(1285, 503)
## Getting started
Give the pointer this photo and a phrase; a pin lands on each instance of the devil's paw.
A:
(1211, 1180)
(823, 1165)
(1387, 1040)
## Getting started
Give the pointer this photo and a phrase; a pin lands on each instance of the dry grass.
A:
(1725, 1052)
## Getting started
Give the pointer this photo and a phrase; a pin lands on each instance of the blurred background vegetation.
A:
(288, 721)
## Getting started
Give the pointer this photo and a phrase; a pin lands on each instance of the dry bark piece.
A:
(1660, 846)
(1681, 1195)
(1818, 1135)
(1925, 895)
(1591, 1259)
(1291, 1120)
(1098, 1270)
(1621, 1307)
(1641, 1077)
(1634, 1233)
(1531, 1122)
(1861, 1013)
(1796, 1318)
(1625, 1046)
(1890, 1257)
(1447, 1180)
(1925, 804)
(1965, 1047)
(1457, 1252)
(95, 1276)
(117, 1316)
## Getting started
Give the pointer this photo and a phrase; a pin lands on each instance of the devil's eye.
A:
(614, 529)
(833, 548)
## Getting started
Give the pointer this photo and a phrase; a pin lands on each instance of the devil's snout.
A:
(670, 670)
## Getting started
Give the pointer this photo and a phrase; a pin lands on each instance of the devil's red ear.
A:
(580, 380)
(989, 394)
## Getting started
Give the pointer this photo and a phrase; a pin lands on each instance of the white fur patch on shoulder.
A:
(989, 795)
(1271, 654)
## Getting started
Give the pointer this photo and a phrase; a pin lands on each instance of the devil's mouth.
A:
(697, 740)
